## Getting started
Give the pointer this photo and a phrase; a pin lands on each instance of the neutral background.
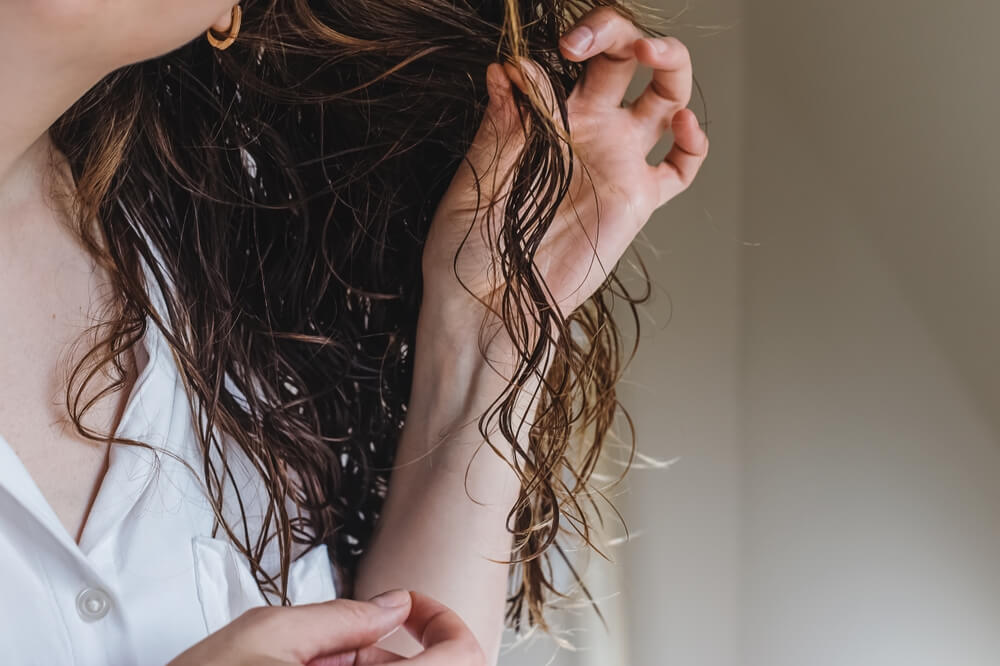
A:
(821, 352)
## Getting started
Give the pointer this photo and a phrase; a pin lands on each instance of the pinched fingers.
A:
(445, 637)
(305, 632)
(339, 625)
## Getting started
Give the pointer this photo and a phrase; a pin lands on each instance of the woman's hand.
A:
(612, 143)
(446, 639)
(339, 633)
(287, 635)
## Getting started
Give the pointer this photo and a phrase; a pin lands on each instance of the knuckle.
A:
(608, 15)
(260, 615)
(605, 13)
(679, 47)
(256, 613)
(661, 90)
(356, 615)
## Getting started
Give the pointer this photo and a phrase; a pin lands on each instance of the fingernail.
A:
(391, 599)
(578, 39)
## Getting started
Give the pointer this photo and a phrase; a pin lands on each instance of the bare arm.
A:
(432, 537)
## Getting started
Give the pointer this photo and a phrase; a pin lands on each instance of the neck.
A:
(34, 92)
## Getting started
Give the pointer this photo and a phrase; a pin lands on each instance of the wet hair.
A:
(287, 185)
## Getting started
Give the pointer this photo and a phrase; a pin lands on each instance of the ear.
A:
(224, 23)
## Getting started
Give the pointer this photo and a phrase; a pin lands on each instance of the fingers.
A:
(500, 140)
(501, 106)
(339, 625)
(669, 91)
(499, 130)
(536, 79)
(432, 622)
(685, 158)
(445, 637)
(495, 148)
(608, 38)
(532, 77)
(369, 656)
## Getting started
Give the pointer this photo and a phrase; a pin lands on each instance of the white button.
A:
(92, 603)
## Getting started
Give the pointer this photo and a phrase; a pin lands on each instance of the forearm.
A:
(432, 537)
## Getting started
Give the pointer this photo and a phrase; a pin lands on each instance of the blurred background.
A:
(820, 356)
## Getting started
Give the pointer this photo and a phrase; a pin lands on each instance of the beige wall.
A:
(871, 376)
(682, 571)
(677, 581)
(833, 393)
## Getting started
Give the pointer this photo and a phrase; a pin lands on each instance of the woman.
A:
(330, 240)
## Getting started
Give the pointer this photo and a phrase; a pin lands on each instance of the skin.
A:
(52, 288)
(431, 536)
(432, 539)
(339, 633)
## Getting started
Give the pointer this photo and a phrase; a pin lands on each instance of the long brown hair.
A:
(288, 184)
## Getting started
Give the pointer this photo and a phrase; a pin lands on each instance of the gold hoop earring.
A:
(225, 41)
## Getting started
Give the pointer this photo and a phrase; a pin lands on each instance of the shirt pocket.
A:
(226, 586)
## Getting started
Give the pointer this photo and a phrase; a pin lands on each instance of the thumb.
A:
(499, 140)
(502, 107)
(342, 624)
(502, 120)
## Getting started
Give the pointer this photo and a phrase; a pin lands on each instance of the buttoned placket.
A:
(83, 577)
(129, 592)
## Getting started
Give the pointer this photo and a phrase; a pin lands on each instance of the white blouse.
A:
(147, 580)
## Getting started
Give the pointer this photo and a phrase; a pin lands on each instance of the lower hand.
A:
(340, 632)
